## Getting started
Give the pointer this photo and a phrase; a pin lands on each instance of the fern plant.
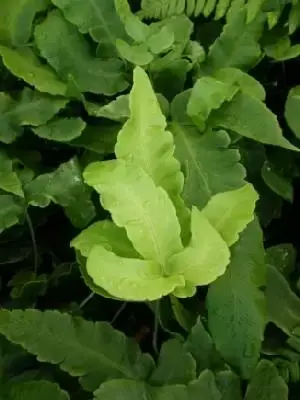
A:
(145, 180)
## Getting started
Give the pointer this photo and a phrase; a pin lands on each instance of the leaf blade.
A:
(153, 238)
(129, 278)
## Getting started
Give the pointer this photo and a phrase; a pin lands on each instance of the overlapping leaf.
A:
(32, 108)
(237, 46)
(208, 94)
(20, 16)
(98, 18)
(24, 64)
(69, 54)
(129, 278)
(106, 234)
(143, 209)
(205, 258)
(175, 365)
(200, 344)
(249, 117)
(210, 166)
(230, 212)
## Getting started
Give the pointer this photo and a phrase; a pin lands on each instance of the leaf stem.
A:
(33, 240)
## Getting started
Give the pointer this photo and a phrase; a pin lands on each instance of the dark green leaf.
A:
(95, 352)
(69, 54)
(65, 187)
(61, 130)
(236, 307)
(175, 365)
(266, 384)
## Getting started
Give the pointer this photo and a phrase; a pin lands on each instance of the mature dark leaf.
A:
(200, 344)
(61, 129)
(11, 211)
(236, 307)
(175, 365)
(266, 384)
(32, 108)
(95, 352)
(98, 18)
(69, 54)
(35, 390)
(65, 187)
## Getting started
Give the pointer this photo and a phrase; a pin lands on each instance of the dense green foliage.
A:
(149, 181)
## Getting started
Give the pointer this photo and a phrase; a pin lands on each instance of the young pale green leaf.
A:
(89, 281)
(24, 64)
(9, 180)
(65, 187)
(237, 46)
(144, 139)
(246, 83)
(205, 258)
(61, 129)
(68, 53)
(205, 386)
(136, 204)
(208, 94)
(35, 390)
(161, 41)
(291, 112)
(267, 384)
(236, 308)
(106, 234)
(99, 19)
(175, 365)
(249, 117)
(11, 211)
(116, 110)
(32, 108)
(229, 385)
(130, 279)
(135, 28)
(230, 212)
(21, 14)
(283, 305)
(137, 54)
(200, 344)
(95, 352)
